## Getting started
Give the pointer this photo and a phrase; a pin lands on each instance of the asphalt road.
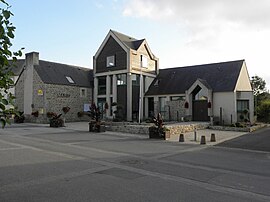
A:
(258, 140)
(44, 164)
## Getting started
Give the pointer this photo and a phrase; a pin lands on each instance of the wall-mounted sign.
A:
(40, 92)
(64, 95)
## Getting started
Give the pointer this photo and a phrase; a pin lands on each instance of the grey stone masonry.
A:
(174, 110)
(52, 98)
(174, 129)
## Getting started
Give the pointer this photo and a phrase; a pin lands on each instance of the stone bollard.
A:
(181, 138)
(213, 137)
(203, 141)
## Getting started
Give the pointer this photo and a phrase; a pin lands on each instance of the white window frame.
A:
(110, 61)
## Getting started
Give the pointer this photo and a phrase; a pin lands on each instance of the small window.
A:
(242, 105)
(175, 98)
(144, 61)
(83, 92)
(162, 101)
(102, 85)
(110, 61)
(135, 79)
(121, 79)
(70, 80)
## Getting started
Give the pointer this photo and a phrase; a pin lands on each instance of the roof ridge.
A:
(215, 63)
(73, 66)
(130, 37)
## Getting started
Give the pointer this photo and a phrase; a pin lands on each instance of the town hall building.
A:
(126, 77)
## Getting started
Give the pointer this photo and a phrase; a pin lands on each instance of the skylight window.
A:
(70, 80)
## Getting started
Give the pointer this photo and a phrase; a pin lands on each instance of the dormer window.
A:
(70, 80)
(144, 61)
(111, 61)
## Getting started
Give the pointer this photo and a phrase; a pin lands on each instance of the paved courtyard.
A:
(38, 163)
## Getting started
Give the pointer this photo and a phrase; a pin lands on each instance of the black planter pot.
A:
(55, 123)
(155, 133)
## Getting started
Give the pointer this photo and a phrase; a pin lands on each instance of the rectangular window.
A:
(144, 61)
(102, 85)
(162, 103)
(121, 79)
(111, 61)
(135, 79)
(111, 82)
(83, 92)
(174, 98)
(242, 105)
(111, 109)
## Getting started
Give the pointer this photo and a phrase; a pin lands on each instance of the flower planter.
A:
(96, 127)
(155, 133)
(55, 123)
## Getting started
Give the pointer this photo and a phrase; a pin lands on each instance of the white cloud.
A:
(210, 31)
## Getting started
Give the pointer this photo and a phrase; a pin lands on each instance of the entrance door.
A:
(200, 110)
(101, 105)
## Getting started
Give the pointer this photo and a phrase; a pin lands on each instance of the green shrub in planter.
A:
(56, 121)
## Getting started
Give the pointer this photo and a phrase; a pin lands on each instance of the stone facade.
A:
(19, 95)
(59, 96)
(47, 97)
(174, 110)
(135, 60)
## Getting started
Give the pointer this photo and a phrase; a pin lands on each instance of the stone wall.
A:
(19, 95)
(188, 127)
(174, 110)
(174, 129)
(52, 98)
(59, 96)
(135, 60)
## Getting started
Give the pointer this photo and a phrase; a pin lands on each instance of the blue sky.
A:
(179, 32)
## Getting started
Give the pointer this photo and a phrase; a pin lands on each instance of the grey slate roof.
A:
(220, 77)
(130, 42)
(55, 73)
(17, 67)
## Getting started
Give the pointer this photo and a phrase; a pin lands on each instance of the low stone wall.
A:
(238, 129)
(183, 128)
(128, 128)
(175, 129)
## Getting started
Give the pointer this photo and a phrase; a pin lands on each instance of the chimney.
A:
(32, 58)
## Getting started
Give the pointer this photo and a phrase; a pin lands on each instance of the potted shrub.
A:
(159, 131)
(95, 124)
(35, 114)
(55, 120)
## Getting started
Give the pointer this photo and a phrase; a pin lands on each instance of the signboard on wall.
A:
(86, 107)
(40, 92)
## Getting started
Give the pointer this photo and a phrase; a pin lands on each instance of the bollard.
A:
(181, 138)
(213, 137)
(203, 139)
(195, 135)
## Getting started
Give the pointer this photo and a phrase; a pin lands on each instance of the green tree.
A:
(7, 59)
(264, 111)
(258, 85)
